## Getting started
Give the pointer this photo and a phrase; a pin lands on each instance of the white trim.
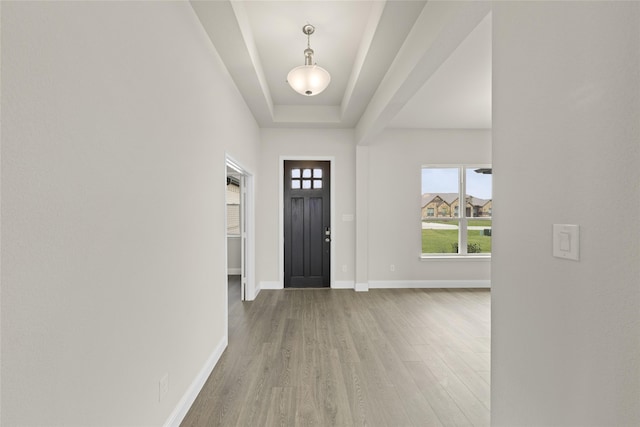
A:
(270, 285)
(429, 284)
(455, 257)
(343, 284)
(332, 161)
(181, 409)
(234, 271)
(253, 295)
(362, 287)
(250, 231)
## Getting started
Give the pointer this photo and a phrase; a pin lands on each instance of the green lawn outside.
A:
(471, 222)
(479, 222)
(442, 241)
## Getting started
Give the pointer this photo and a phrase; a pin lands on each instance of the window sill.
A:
(455, 257)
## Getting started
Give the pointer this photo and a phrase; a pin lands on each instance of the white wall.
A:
(566, 132)
(116, 118)
(337, 143)
(234, 255)
(395, 160)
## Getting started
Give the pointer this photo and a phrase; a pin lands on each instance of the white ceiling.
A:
(407, 64)
(458, 95)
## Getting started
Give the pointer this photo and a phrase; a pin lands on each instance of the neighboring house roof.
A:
(478, 202)
(449, 198)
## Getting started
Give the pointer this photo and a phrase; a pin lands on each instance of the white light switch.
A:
(566, 241)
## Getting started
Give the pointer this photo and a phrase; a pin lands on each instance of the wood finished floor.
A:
(403, 357)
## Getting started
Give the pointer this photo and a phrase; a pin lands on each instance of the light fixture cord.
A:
(308, 52)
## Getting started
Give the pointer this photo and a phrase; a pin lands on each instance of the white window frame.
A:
(461, 217)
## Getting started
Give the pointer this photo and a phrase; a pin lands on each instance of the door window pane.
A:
(306, 173)
(317, 183)
(295, 183)
(295, 173)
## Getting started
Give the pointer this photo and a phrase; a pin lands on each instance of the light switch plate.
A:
(566, 241)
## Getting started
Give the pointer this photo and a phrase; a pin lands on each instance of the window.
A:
(306, 179)
(448, 229)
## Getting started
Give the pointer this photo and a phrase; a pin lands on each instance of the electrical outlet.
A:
(163, 386)
(392, 267)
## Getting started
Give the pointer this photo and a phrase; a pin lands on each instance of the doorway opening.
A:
(240, 229)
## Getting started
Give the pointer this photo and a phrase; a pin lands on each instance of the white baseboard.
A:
(394, 284)
(270, 285)
(338, 284)
(361, 287)
(343, 284)
(252, 295)
(190, 395)
(234, 271)
(429, 284)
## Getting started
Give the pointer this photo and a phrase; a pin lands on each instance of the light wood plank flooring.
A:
(403, 357)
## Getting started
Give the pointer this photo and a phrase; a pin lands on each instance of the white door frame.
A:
(247, 228)
(331, 160)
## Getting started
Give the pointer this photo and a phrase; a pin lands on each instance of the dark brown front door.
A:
(307, 226)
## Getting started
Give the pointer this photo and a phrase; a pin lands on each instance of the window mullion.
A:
(462, 224)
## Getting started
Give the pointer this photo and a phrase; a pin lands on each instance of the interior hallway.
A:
(336, 357)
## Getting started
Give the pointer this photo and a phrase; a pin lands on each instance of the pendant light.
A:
(308, 79)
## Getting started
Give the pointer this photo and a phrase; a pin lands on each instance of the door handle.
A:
(327, 234)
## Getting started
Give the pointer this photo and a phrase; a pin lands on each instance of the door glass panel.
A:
(306, 173)
(306, 184)
(317, 173)
(295, 173)
(295, 183)
(317, 183)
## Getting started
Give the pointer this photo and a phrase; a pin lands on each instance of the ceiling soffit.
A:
(380, 55)
(260, 41)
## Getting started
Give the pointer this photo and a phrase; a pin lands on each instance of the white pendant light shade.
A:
(308, 80)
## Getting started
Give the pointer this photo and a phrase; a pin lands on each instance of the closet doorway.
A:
(240, 229)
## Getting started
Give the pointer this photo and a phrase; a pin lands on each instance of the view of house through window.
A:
(448, 227)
